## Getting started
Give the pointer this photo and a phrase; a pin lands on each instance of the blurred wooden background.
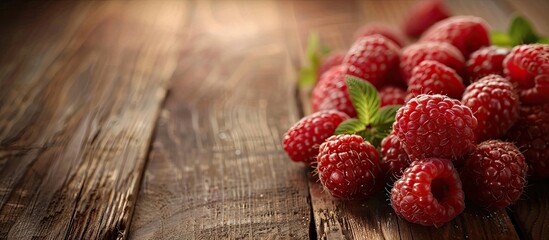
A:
(164, 120)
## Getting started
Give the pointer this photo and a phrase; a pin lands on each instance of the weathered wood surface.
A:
(90, 148)
(217, 168)
(81, 85)
(530, 213)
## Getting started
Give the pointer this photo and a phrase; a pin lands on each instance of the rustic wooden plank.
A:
(217, 168)
(531, 212)
(374, 218)
(82, 84)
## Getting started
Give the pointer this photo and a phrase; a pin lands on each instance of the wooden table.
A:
(164, 120)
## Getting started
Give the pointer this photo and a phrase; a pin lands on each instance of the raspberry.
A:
(372, 58)
(395, 160)
(423, 15)
(494, 103)
(391, 95)
(441, 52)
(486, 61)
(330, 61)
(435, 126)
(429, 193)
(528, 67)
(302, 140)
(531, 134)
(330, 93)
(494, 175)
(348, 167)
(383, 30)
(466, 33)
(431, 77)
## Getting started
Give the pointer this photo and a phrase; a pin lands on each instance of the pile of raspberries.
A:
(474, 121)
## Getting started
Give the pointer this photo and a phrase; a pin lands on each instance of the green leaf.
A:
(381, 131)
(386, 115)
(364, 97)
(382, 125)
(521, 31)
(350, 126)
(543, 40)
(375, 135)
(325, 50)
(308, 73)
(500, 39)
(307, 77)
(367, 135)
(312, 44)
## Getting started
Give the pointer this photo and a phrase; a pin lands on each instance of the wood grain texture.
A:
(374, 218)
(217, 168)
(531, 212)
(81, 86)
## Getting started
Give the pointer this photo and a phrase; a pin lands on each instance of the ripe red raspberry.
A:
(528, 67)
(383, 30)
(330, 61)
(423, 15)
(429, 193)
(372, 58)
(486, 61)
(431, 77)
(531, 135)
(494, 175)
(494, 103)
(435, 126)
(301, 141)
(441, 52)
(391, 95)
(330, 93)
(466, 33)
(348, 167)
(395, 160)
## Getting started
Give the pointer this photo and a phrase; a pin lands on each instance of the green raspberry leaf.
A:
(382, 124)
(376, 134)
(314, 53)
(312, 47)
(307, 77)
(325, 50)
(521, 31)
(386, 115)
(364, 97)
(350, 126)
(381, 131)
(500, 39)
(543, 40)
(368, 136)
(308, 73)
